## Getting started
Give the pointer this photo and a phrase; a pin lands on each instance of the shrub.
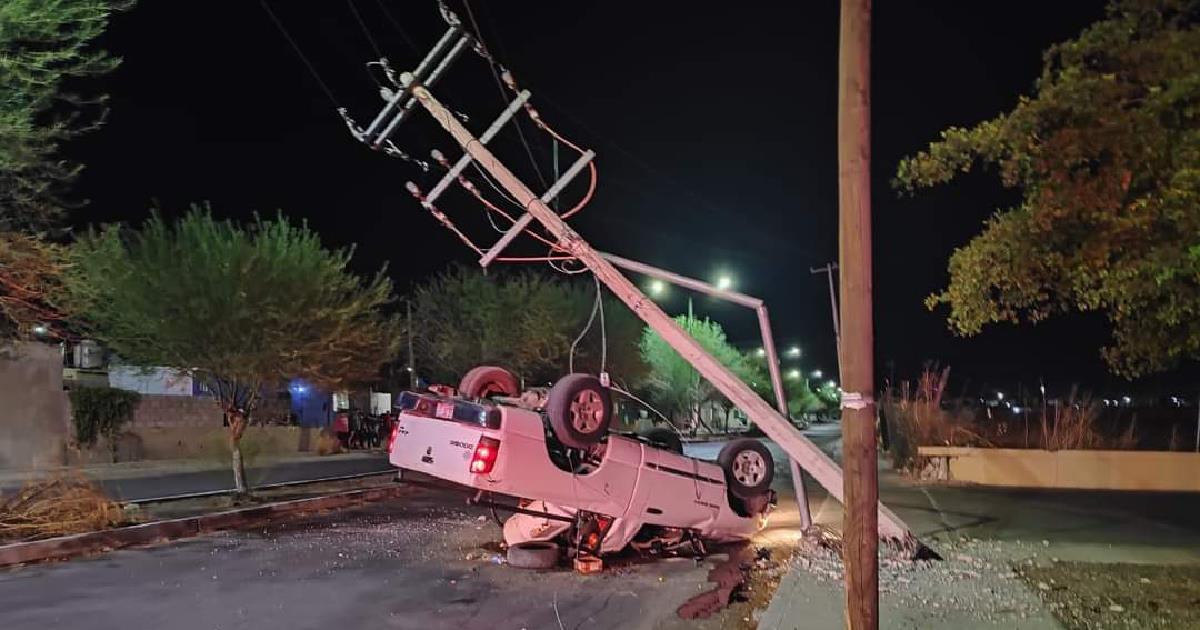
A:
(328, 444)
(100, 412)
(916, 416)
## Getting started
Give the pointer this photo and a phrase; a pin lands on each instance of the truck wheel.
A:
(580, 410)
(749, 468)
(665, 438)
(533, 555)
(488, 380)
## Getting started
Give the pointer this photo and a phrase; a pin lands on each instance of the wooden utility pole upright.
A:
(861, 478)
(412, 367)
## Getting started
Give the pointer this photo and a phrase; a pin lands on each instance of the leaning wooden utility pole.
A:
(414, 88)
(861, 477)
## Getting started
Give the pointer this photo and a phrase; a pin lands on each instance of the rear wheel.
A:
(488, 380)
(533, 555)
(749, 468)
(580, 410)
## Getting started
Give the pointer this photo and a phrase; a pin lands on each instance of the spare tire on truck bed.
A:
(488, 380)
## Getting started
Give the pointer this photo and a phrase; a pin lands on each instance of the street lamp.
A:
(657, 288)
(793, 374)
(999, 395)
(724, 283)
(817, 374)
(761, 352)
(794, 351)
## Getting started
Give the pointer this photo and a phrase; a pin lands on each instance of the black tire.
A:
(533, 555)
(749, 468)
(488, 380)
(580, 410)
(665, 438)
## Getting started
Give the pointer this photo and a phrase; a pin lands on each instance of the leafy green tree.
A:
(44, 45)
(676, 387)
(804, 400)
(524, 321)
(1106, 154)
(241, 309)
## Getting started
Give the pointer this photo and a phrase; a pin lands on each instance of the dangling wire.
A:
(299, 53)
(597, 307)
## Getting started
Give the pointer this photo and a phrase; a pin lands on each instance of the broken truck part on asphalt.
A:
(414, 87)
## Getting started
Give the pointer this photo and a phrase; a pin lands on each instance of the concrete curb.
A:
(65, 547)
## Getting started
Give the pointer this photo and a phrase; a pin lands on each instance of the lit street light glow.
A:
(760, 352)
(817, 374)
(794, 351)
(724, 283)
(657, 287)
(793, 374)
(999, 395)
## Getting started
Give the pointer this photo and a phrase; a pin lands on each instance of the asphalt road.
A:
(137, 488)
(1083, 525)
(420, 562)
(424, 562)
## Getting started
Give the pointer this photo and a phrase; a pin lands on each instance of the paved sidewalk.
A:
(983, 534)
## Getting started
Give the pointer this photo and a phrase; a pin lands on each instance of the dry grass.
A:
(56, 506)
(1073, 427)
(328, 444)
(916, 416)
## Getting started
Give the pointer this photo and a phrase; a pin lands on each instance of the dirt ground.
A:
(1090, 596)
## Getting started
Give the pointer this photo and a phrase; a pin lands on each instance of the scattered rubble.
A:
(974, 582)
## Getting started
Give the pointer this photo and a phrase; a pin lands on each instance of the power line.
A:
(366, 31)
(503, 92)
(300, 53)
(399, 29)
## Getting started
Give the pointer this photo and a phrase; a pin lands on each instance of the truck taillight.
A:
(395, 432)
(484, 458)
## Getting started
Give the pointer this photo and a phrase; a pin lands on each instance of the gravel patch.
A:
(1090, 595)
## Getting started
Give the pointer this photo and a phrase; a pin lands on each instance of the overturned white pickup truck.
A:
(579, 485)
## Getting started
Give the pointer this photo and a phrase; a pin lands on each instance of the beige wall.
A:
(155, 410)
(1090, 470)
(145, 443)
(34, 425)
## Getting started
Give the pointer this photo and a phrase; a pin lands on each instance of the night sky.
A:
(715, 125)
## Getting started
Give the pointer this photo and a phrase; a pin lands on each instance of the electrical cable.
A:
(597, 307)
(366, 31)
(396, 24)
(625, 392)
(586, 328)
(300, 53)
(503, 94)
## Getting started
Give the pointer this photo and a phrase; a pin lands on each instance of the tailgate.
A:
(435, 447)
